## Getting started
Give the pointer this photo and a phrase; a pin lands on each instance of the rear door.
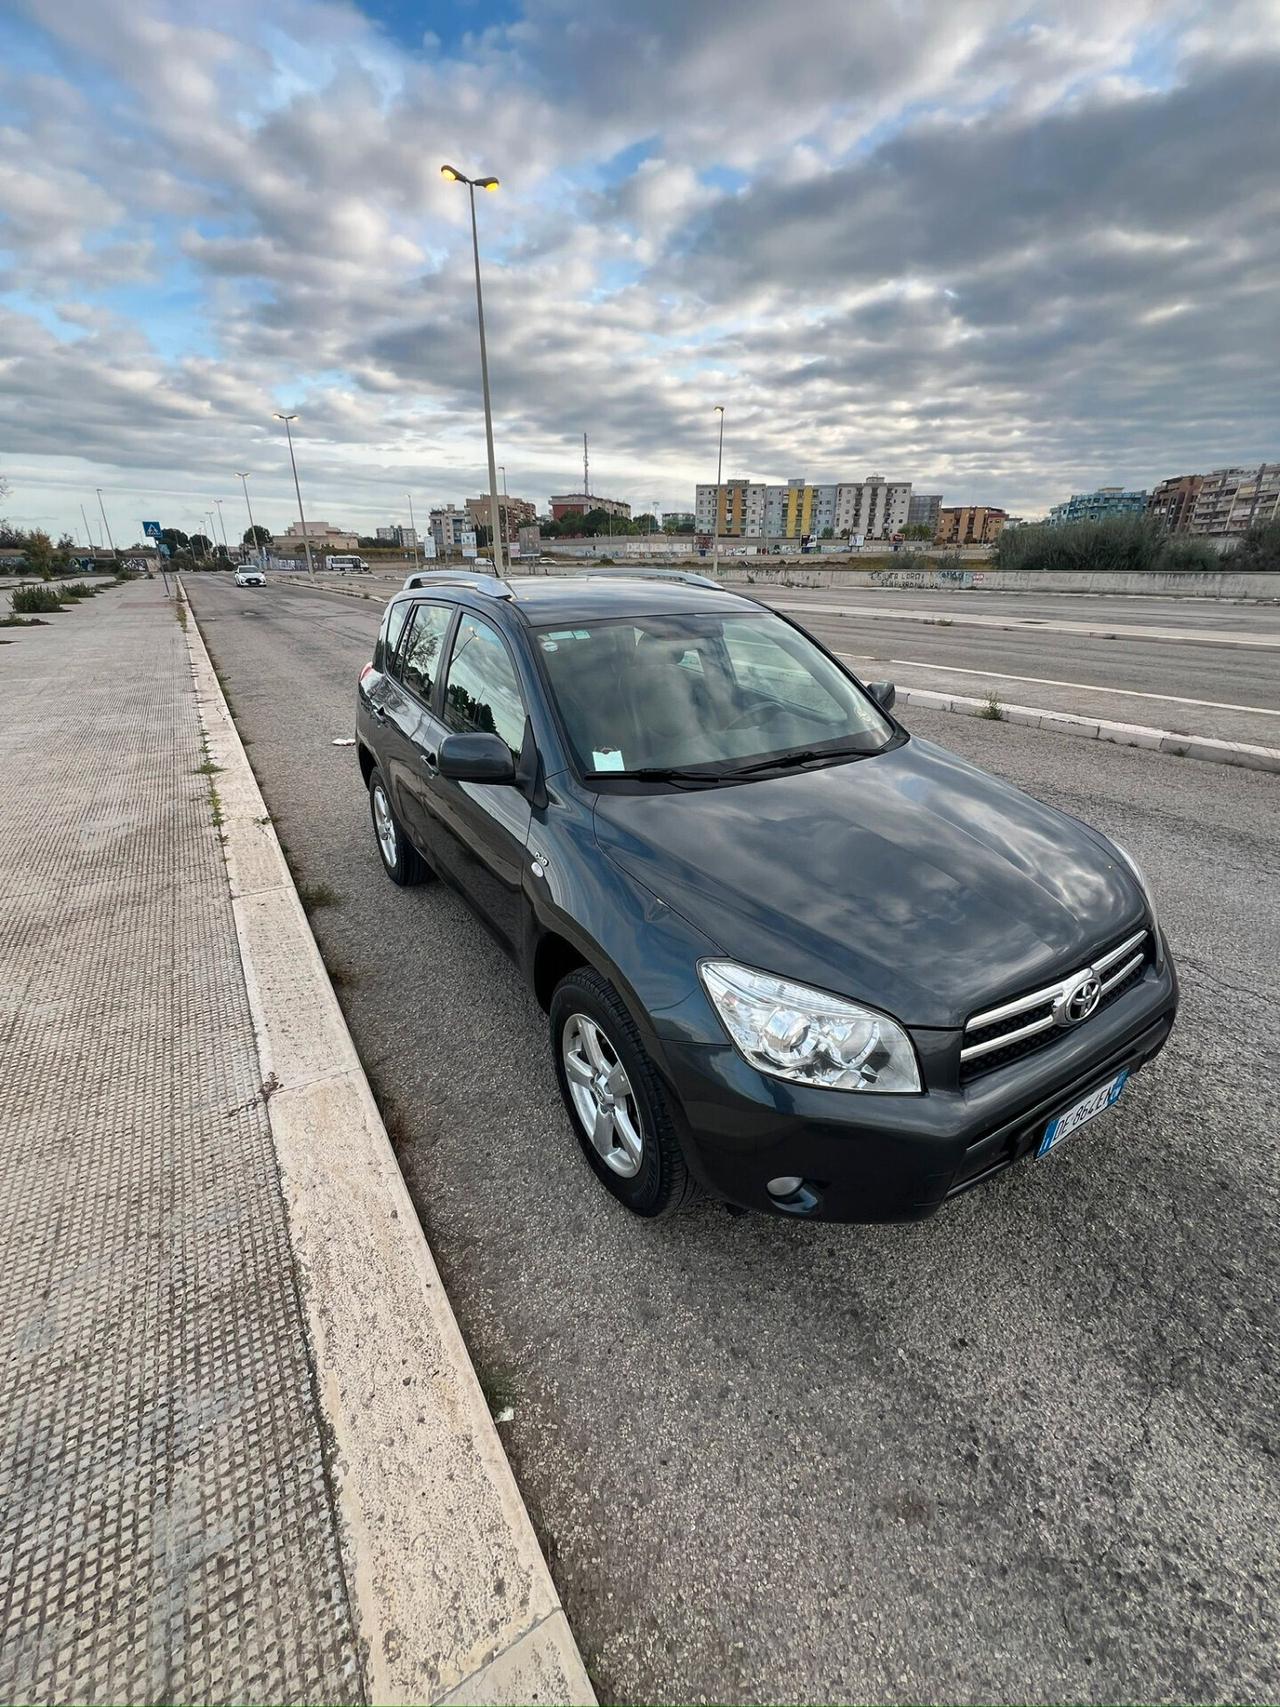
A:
(483, 827)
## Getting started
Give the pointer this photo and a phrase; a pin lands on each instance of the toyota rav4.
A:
(790, 953)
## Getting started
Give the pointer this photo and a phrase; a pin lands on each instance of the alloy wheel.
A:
(385, 825)
(602, 1095)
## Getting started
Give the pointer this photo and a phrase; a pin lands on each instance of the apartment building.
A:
(569, 503)
(1231, 500)
(874, 508)
(1099, 505)
(452, 529)
(970, 524)
(404, 537)
(319, 534)
(513, 514)
(922, 510)
(1172, 502)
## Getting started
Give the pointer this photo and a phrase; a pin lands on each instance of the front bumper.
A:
(897, 1158)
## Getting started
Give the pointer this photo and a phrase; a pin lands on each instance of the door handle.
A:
(380, 712)
(429, 760)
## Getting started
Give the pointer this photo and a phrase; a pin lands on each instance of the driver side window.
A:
(481, 691)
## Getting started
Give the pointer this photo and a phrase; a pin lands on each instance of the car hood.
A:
(911, 879)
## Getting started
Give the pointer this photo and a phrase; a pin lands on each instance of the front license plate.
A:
(1083, 1111)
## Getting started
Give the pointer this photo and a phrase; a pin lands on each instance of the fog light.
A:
(786, 1185)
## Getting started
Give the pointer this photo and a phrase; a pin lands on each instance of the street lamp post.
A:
(88, 533)
(413, 529)
(106, 525)
(306, 542)
(253, 532)
(474, 184)
(715, 545)
(222, 527)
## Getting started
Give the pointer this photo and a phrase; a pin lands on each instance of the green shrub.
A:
(30, 600)
(77, 590)
(1258, 549)
(1123, 543)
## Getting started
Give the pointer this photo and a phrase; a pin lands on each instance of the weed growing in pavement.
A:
(264, 820)
(27, 600)
(207, 767)
(938, 622)
(22, 622)
(992, 708)
(316, 895)
(499, 1388)
(215, 800)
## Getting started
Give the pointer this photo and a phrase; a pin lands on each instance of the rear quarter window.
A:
(392, 628)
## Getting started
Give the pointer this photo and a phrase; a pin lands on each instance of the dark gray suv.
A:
(790, 953)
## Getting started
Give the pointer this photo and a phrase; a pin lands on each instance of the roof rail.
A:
(689, 576)
(493, 585)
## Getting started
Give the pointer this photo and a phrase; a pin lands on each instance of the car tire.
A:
(401, 861)
(588, 1015)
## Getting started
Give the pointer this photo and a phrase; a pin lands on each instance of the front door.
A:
(483, 827)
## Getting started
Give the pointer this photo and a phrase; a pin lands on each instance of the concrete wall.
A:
(1187, 583)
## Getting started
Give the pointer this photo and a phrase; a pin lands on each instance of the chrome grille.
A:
(1016, 1028)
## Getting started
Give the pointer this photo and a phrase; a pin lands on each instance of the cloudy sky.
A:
(1002, 249)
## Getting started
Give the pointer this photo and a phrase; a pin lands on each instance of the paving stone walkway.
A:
(166, 1528)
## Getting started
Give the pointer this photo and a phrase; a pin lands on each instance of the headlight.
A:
(807, 1035)
(1150, 899)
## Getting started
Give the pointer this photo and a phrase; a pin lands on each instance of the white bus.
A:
(347, 564)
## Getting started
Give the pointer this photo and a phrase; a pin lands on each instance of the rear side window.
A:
(421, 649)
(482, 691)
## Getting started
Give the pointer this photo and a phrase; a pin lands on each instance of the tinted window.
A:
(421, 649)
(392, 629)
(481, 691)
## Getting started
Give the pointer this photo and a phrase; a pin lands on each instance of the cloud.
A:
(997, 247)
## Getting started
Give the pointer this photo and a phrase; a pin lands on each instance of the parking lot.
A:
(1024, 1451)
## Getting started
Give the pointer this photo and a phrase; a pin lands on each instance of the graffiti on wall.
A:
(922, 577)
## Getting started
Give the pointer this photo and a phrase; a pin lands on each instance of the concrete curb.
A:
(453, 1598)
(1099, 729)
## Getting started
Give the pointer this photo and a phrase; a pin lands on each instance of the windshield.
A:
(687, 692)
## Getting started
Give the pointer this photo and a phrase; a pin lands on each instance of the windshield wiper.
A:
(665, 773)
(801, 756)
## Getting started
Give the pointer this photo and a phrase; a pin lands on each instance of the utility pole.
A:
(586, 470)
(88, 534)
(106, 525)
(293, 463)
(474, 184)
(413, 529)
(223, 527)
(715, 547)
(253, 532)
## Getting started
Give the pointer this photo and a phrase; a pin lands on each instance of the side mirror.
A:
(476, 758)
(884, 694)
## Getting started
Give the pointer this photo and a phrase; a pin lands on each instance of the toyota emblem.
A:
(1078, 998)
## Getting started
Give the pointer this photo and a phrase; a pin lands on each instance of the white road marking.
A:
(1052, 682)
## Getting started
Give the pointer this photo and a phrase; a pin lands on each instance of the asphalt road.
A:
(1223, 616)
(1023, 1452)
(1216, 681)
